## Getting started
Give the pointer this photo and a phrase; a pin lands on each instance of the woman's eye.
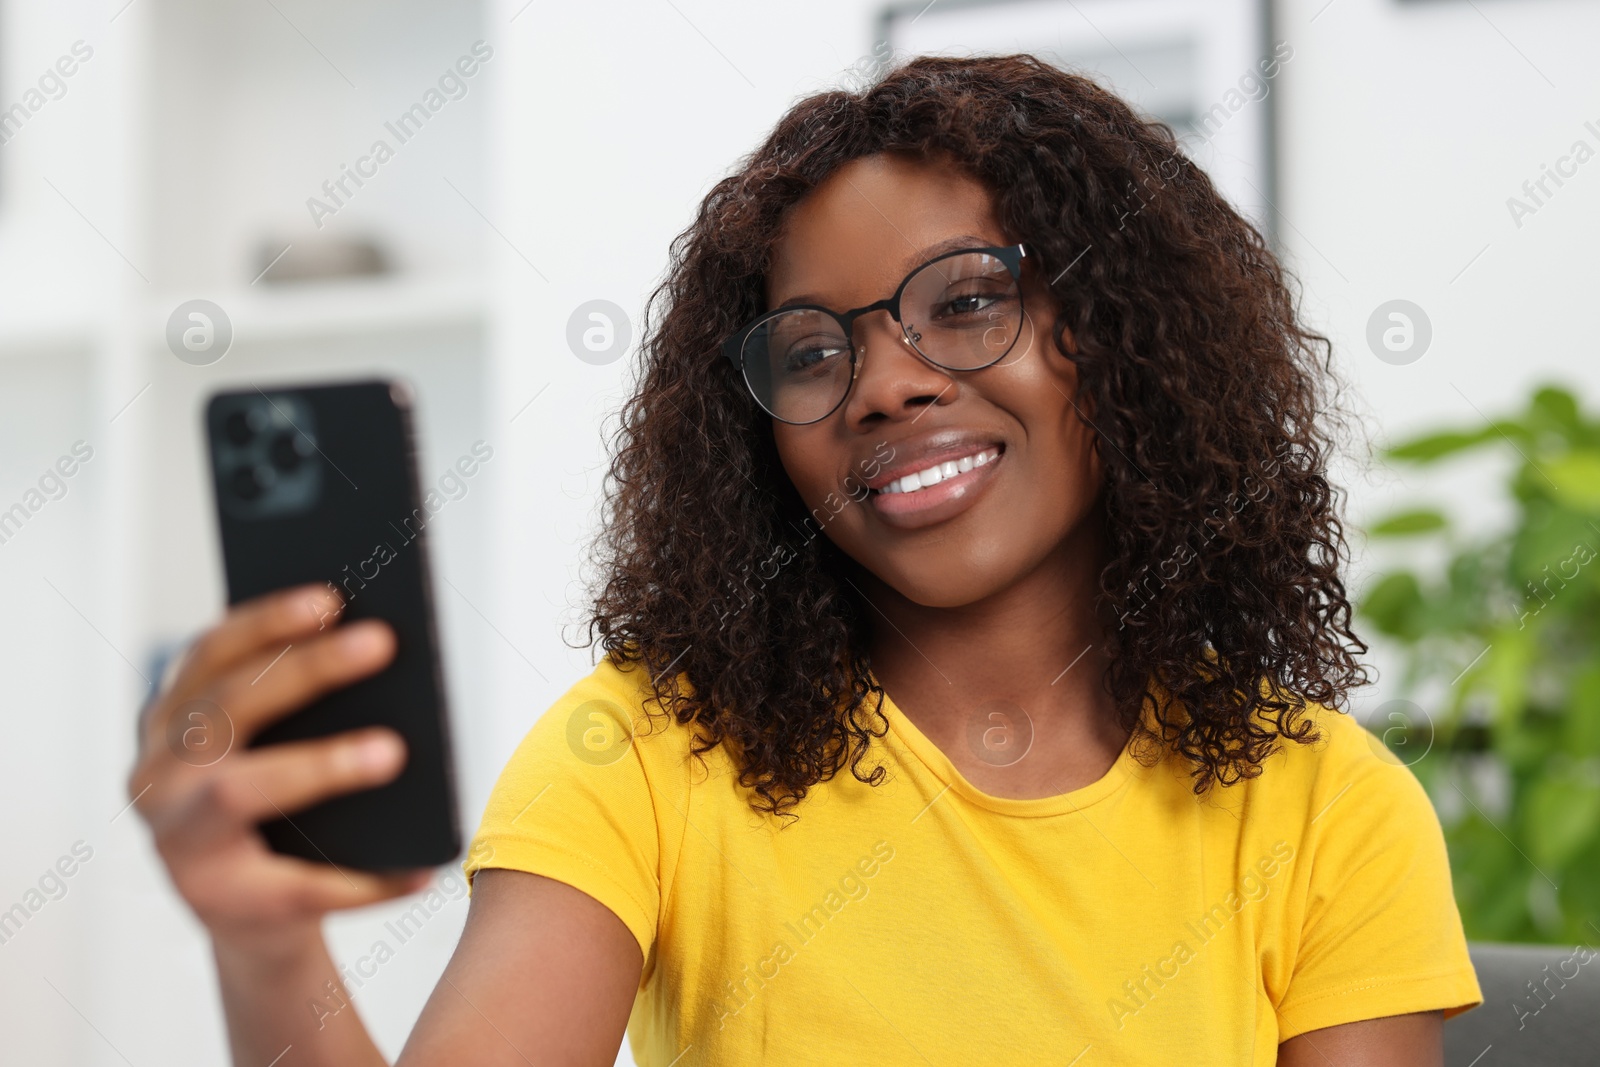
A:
(802, 359)
(967, 304)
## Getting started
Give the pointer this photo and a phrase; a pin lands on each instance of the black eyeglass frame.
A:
(733, 348)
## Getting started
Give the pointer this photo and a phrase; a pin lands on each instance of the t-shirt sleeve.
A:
(1381, 934)
(574, 803)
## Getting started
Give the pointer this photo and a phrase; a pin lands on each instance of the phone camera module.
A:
(238, 429)
(265, 455)
(244, 484)
(288, 450)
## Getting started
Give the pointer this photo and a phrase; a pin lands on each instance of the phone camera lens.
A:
(287, 450)
(244, 484)
(237, 428)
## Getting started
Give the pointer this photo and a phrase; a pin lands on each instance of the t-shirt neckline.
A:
(934, 759)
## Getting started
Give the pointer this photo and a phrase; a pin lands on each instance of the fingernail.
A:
(311, 591)
(361, 639)
(379, 753)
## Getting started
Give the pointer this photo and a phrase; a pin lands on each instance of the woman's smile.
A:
(935, 477)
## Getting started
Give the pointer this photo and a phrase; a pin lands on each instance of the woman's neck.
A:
(1033, 652)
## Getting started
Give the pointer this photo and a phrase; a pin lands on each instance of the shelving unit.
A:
(175, 154)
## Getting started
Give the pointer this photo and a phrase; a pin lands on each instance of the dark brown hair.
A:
(1224, 537)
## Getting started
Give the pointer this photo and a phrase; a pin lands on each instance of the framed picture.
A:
(1208, 68)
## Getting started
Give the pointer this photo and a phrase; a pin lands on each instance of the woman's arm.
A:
(544, 973)
(287, 998)
(1415, 1040)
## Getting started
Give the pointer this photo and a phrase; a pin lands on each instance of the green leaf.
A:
(1406, 523)
(1575, 479)
(1427, 448)
(1581, 725)
(1525, 602)
(1527, 749)
(1580, 894)
(1557, 408)
(1505, 667)
(1549, 550)
(1468, 576)
(1560, 820)
(1430, 447)
(1393, 604)
(1491, 880)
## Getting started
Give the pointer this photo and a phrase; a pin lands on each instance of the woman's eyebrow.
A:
(949, 244)
(911, 261)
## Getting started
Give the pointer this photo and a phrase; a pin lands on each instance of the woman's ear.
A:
(1069, 343)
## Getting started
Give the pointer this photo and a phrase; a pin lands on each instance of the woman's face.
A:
(847, 244)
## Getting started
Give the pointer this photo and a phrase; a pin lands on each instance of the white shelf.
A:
(286, 313)
(327, 308)
(29, 330)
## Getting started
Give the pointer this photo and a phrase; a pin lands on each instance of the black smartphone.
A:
(318, 483)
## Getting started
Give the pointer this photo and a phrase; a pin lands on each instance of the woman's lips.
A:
(937, 503)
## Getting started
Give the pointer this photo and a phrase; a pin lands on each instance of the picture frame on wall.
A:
(1207, 68)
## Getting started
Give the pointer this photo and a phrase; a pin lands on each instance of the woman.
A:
(974, 625)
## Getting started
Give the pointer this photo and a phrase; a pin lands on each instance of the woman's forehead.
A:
(871, 221)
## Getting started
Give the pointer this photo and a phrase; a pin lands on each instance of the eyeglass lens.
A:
(962, 312)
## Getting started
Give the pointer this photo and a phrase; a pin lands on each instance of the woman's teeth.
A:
(939, 472)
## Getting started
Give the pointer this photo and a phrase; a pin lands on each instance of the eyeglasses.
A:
(959, 311)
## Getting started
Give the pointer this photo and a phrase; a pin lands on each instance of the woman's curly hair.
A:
(1223, 531)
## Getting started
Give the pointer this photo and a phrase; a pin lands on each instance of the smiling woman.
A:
(1050, 611)
(1083, 373)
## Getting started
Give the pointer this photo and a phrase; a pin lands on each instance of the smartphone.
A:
(318, 483)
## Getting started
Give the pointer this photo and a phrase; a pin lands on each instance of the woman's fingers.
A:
(263, 688)
(272, 619)
(203, 791)
(263, 894)
(312, 888)
(278, 780)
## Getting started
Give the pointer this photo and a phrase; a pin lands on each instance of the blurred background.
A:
(193, 197)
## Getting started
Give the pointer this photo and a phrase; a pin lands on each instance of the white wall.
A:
(1405, 129)
(585, 145)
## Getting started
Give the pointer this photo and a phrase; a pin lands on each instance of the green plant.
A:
(1501, 646)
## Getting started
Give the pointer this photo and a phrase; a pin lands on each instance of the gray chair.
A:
(1554, 1022)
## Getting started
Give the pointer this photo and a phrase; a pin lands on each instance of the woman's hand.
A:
(202, 791)
(554, 968)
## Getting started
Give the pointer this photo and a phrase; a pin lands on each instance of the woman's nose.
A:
(890, 374)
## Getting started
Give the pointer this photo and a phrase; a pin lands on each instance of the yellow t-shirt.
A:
(922, 921)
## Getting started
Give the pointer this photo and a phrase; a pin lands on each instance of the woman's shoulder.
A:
(612, 717)
(1338, 752)
(1341, 776)
(1341, 782)
(595, 795)
(1375, 929)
